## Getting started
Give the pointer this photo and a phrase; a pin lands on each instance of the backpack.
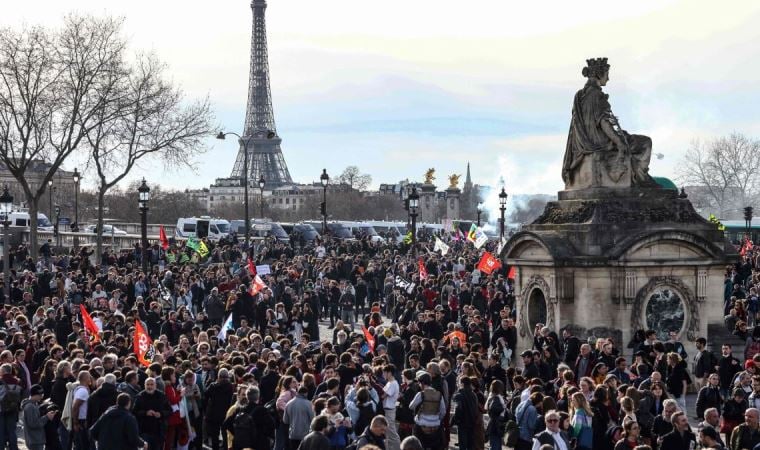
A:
(10, 397)
(512, 433)
(244, 430)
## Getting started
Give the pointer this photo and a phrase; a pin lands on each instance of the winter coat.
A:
(117, 430)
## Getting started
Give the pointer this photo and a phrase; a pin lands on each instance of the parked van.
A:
(334, 229)
(302, 230)
(21, 219)
(202, 227)
(361, 229)
(391, 231)
(265, 228)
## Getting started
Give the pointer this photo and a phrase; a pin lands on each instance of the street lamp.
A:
(143, 199)
(414, 203)
(324, 179)
(6, 206)
(50, 198)
(75, 227)
(480, 211)
(502, 208)
(748, 212)
(221, 136)
(262, 182)
(55, 227)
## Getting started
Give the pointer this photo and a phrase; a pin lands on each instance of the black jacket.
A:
(103, 398)
(218, 401)
(157, 402)
(117, 430)
(708, 397)
(268, 386)
(315, 441)
(677, 441)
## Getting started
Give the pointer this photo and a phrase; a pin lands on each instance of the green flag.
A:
(193, 244)
(408, 238)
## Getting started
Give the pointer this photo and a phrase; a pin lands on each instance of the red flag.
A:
(369, 338)
(251, 267)
(257, 285)
(488, 263)
(512, 274)
(89, 325)
(162, 238)
(143, 345)
(423, 270)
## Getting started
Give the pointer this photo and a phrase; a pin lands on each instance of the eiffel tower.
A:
(260, 138)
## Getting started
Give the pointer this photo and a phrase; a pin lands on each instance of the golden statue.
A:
(454, 181)
(430, 176)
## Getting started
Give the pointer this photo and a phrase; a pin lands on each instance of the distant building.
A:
(61, 192)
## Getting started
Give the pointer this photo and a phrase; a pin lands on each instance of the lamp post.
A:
(50, 198)
(143, 199)
(480, 211)
(502, 208)
(221, 136)
(414, 203)
(262, 182)
(324, 179)
(748, 212)
(55, 227)
(75, 227)
(6, 205)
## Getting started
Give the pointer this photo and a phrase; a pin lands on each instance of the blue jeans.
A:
(466, 438)
(495, 441)
(8, 424)
(63, 435)
(81, 438)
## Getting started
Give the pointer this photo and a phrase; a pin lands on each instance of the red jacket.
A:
(173, 397)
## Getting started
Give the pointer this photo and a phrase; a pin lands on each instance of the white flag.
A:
(440, 245)
(480, 238)
(502, 243)
(226, 326)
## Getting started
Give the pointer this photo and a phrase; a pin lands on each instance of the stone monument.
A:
(453, 194)
(616, 252)
(428, 202)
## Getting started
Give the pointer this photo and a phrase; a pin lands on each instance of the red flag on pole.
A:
(162, 238)
(512, 274)
(89, 325)
(488, 263)
(423, 269)
(143, 345)
(251, 267)
(257, 285)
(369, 338)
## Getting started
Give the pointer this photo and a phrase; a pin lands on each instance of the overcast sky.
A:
(395, 86)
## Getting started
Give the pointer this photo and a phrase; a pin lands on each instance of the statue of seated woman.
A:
(599, 153)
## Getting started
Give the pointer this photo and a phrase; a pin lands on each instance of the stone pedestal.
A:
(453, 203)
(610, 261)
(428, 203)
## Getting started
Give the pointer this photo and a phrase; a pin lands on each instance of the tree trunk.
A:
(33, 207)
(99, 229)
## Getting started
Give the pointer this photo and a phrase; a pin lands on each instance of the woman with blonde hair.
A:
(628, 408)
(581, 422)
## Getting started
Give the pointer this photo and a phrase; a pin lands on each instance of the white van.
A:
(202, 227)
(392, 231)
(21, 219)
(360, 229)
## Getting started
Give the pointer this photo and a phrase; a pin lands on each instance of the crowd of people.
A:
(420, 352)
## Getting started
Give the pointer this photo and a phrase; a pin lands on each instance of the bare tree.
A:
(52, 86)
(354, 179)
(144, 118)
(728, 168)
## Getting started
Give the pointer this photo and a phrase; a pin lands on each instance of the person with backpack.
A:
(10, 405)
(251, 425)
